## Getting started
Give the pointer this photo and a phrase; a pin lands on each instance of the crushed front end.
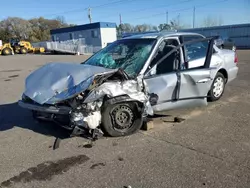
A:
(79, 105)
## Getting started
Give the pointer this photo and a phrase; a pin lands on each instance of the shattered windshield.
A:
(127, 54)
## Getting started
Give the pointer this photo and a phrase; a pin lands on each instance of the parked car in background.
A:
(225, 43)
(116, 88)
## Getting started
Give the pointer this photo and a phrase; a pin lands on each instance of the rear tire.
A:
(23, 50)
(217, 88)
(121, 119)
(7, 51)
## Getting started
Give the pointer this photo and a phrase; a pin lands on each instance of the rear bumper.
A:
(48, 109)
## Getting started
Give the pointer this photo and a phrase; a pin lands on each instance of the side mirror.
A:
(150, 73)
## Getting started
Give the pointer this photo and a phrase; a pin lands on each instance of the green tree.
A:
(163, 27)
(34, 30)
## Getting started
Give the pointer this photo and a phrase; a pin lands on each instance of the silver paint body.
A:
(63, 81)
(195, 84)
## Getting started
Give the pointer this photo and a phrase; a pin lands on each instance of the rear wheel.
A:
(121, 119)
(6, 51)
(217, 88)
(23, 50)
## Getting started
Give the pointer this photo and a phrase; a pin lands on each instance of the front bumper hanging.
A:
(62, 110)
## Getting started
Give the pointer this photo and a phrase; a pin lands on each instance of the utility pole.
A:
(167, 17)
(120, 19)
(89, 15)
(178, 19)
(120, 26)
(194, 17)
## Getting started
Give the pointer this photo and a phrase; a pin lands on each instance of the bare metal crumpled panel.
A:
(55, 82)
(132, 88)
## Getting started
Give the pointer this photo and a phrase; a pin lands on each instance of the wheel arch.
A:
(224, 72)
(123, 99)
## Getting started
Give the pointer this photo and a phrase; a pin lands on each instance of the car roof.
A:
(158, 35)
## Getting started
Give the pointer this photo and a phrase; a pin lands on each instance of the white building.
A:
(95, 34)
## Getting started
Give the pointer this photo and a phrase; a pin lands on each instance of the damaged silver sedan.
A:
(118, 87)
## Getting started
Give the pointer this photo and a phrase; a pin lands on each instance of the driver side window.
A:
(166, 65)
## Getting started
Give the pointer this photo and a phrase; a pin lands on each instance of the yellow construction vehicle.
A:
(23, 47)
(6, 49)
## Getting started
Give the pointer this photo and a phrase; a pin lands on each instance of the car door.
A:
(183, 86)
(161, 85)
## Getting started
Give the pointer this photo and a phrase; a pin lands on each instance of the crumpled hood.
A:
(55, 82)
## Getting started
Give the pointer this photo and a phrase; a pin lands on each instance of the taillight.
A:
(235, 58)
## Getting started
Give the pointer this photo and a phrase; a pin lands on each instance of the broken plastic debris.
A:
(129, 186)
(178, 120)
(56, 143)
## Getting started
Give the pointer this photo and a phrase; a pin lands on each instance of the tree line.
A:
(173, 25)
(34, 30)
(38, 29)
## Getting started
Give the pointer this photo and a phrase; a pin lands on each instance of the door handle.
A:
(205, 80)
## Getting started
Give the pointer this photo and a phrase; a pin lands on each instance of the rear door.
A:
(185, 86)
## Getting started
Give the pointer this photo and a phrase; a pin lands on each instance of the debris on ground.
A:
(178, 120)
(94, 166)
(148, 125)
(14, 76)
(56, 143)
(89, 145)
(120, 159)
(114, 144)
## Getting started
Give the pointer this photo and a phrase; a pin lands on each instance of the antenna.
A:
(89, 15)
(120, 19)
(167, 17)
(178, 19)
(194, 17)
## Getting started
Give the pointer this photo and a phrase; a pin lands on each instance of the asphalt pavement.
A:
(210, 148)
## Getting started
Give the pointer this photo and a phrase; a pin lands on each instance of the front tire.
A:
(217, 88)
(7, 51)
(23, 50)
(121, 119)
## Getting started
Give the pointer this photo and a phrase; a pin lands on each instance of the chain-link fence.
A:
(70, 46)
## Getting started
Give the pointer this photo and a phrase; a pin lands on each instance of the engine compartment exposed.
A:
(86, 106)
